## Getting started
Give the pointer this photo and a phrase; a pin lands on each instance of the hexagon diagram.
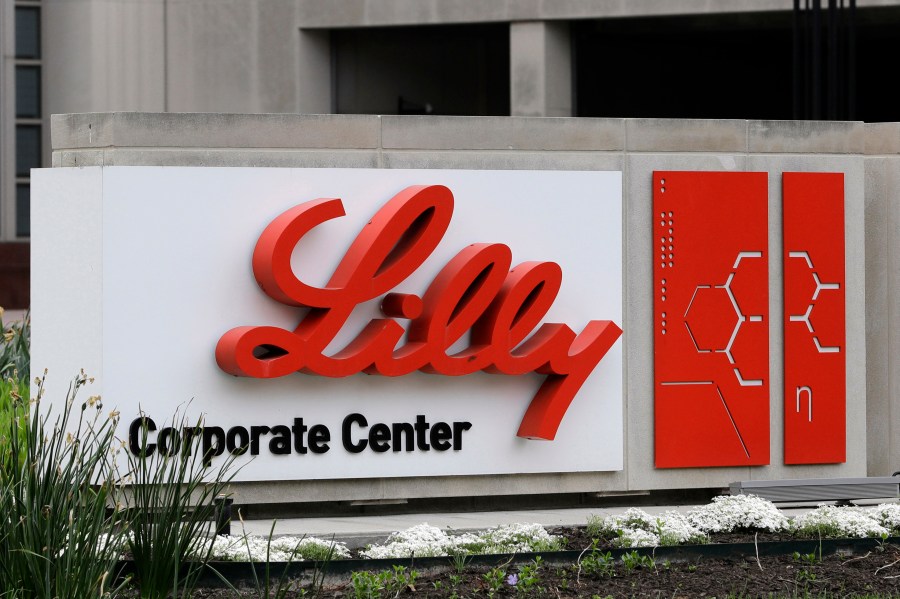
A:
(711, 395)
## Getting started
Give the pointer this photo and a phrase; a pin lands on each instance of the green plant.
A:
(494, 579)
(280, 587)
(367, 585)
(14, 420)
(400, 579)
(597, 563)
(171, 504)
(15, 355)
(59, 539)
(460, 559)
(805, 573)
(529, 577)
(634, 560)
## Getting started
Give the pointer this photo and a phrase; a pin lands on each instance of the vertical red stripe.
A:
(815, 379)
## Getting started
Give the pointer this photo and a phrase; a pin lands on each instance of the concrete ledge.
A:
(686, 135)
(882, 138)
(217, 157)
(486, 160)
(208, 130)
(502, 133)
(362, 13)
(425, 487)
(807, 137)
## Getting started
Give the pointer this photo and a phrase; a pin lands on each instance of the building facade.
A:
(765, 59)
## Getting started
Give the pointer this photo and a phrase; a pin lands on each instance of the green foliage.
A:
(171, 503)
(15, 355)
(367, 585)
(14, 418)
(460, 559)
(372, 585)
(401, 579)
(598, 563)
(494, 579)
(634, 560)
(529, 578)
(60, 540)
(595, 528)
(279, 587)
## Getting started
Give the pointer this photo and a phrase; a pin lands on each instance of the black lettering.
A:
(349, 421)
(189, 432)
(138, 431)
(255, 433)
(234, 446)
(379, 437)
(169, 441)
(406, 430)
(458, 428)
(210, 449)
(299, 430)
(421, 429)
(280, 443)
(319, 436)
(440, 433)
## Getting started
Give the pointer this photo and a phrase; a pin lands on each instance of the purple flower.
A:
(512, 580)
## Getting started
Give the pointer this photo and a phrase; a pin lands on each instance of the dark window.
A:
(28, 149)
(28, 32)
(23, 210)
(707, 66)
(28, 92)
(451, 70)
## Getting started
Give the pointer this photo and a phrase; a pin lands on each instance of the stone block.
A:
(552, 161)
(502, 133)
(807, 137)
(208, 130)
(685, 135)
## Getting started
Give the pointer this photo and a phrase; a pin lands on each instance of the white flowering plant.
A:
(637, 528)
(424, 540)
(242, 548)
(731, 513)
(887, 515)
(829, 521)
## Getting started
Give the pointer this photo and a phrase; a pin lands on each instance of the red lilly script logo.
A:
(475, 293)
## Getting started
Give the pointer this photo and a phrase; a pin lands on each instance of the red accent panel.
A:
(711, 351)
(815, 378)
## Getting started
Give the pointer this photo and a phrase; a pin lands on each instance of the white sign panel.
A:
(139, 273)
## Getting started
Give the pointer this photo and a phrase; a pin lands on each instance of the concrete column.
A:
(540, 69)
(314, 84)
(103, 55)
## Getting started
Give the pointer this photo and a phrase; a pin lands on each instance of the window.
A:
(25, 88)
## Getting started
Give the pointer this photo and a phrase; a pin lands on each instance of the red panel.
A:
(815, 379)
(711, 351)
